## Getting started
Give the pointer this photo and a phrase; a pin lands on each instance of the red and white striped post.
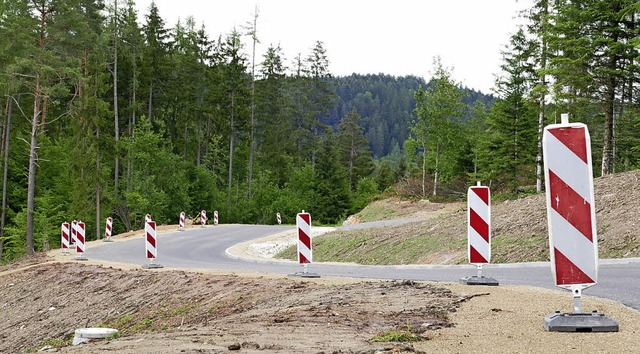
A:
(74, 231)
(571, 216)
(151, 244)
(573, 239)
(305, 249)
(108, 230)
(203, 218)
(279, 218)
(479, 225)
(80, 241)
(181, 222)
(479, 233)
(64, 238)
(215, 217)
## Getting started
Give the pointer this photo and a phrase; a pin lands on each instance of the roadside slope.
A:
(519, 229)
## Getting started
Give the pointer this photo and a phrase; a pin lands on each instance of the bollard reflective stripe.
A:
(573, 240)
(479, 224)
(305, 250)
(151, 244)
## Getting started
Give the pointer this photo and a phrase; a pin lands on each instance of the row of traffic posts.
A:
(571, 217)
(573, 239)
(73, 234)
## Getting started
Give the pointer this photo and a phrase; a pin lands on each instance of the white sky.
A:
(399, 37)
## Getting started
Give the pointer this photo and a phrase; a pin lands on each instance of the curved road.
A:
(205, 248)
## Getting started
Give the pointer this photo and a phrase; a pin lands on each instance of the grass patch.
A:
(364, 247)
(375, 212)
(397, 335)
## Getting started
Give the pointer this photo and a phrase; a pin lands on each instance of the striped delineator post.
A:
(64, 238)
(80, 232)
(571, 216)
(74, 231)
(215, 217)
(181, 222)
(479, 224)
(305, 249)
(108, 230)
(279, 218)
(151, 244)
(203, 218)
(479, 233)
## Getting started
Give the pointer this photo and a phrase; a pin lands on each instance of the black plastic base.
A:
(152, 266)
(580, 322)
(305, 275)
(479, 280)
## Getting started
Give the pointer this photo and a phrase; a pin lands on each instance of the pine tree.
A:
(331, 183)
(510, 147)
(354, 148)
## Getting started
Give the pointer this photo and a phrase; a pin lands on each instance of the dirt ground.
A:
(175, 311)
(44, 298)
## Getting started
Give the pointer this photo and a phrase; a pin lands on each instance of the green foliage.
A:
(331, 185)
(397, 335)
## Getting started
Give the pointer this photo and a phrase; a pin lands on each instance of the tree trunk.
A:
(116, 118)
(6, 134)
(98, 233)
(150, 105)
(33, 158)
(435, 172)
(252, 128)
(230, 177)
(424, 170)
(541, 113)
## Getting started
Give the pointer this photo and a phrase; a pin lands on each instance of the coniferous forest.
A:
(104, 114)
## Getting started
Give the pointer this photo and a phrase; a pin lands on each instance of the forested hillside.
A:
(108, 115)
(386, 105)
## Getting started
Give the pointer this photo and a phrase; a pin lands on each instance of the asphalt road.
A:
(205, 248)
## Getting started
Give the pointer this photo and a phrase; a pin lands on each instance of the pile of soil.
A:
(171, 311)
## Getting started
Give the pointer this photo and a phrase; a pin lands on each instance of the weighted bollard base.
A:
(152, 266)
(580, 322)
(479, 280)
(81, 258)
(107, 240)
(305, 273)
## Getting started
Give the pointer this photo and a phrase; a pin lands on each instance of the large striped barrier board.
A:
(571, 217)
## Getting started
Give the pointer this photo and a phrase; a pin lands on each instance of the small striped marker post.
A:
(479, 233)
(74, 231)
(181, 222)
(215, 217)
(305, 247)
(108, 230)
(151, 244)
(573, 239)
(64, 238)
(80, 232)
(279, 218)
(203, 218)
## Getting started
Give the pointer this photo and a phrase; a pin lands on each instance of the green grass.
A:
(397, 335)
(362, 247)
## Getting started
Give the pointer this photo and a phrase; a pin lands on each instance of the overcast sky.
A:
(398, 37)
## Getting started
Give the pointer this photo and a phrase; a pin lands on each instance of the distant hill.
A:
(386, 105)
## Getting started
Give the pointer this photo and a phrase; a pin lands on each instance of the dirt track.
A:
(170, 311)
